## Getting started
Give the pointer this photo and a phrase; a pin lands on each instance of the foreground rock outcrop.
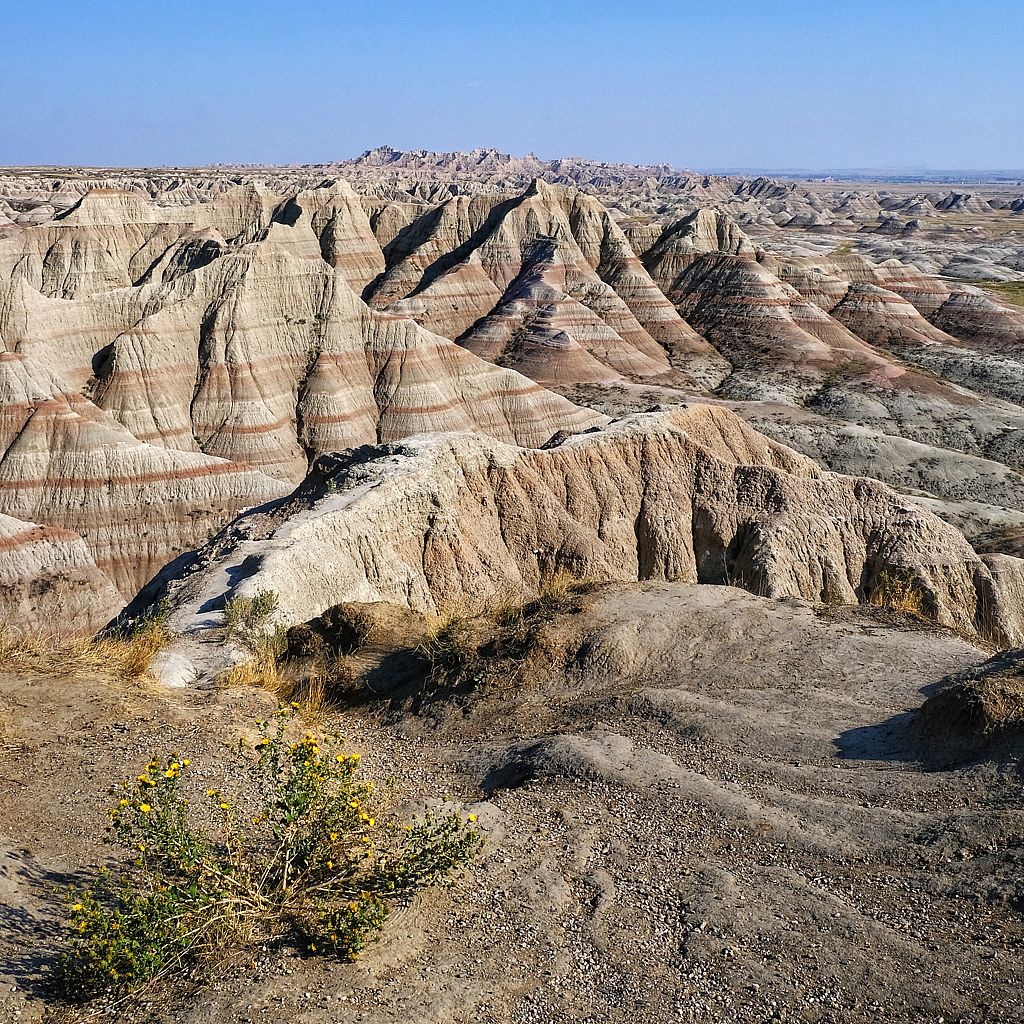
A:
(696, 496)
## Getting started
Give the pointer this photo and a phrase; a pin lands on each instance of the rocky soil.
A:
(700, 805)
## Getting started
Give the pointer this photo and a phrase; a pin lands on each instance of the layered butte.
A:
(163, 368)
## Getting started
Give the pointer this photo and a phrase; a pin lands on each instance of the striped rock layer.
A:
(163, 368)
(166, 366)
(546, 282)
(47, 576)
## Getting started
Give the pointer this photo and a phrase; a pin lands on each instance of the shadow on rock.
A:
(977, 714)
(974, 715)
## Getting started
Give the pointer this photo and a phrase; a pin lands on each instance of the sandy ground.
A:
(700, 806)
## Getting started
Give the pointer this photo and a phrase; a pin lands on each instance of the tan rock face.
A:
(758, 320)
(695, 496)
(546, 282)
(68, 464)
(682, 241)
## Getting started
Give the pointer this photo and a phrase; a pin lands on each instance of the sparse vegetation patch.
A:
(126, 651)
(248, 612)
(898, 591)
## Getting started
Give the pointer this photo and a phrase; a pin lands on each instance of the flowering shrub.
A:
(301, 854)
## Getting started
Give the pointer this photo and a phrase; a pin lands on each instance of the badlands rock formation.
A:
(202, 339)
(47, 576)
(694, 496)
(546, 282)
(164, 368)
(839, 336)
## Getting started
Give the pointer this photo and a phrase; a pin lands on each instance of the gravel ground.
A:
(700, 806)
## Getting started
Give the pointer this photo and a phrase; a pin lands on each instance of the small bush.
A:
(899, 591)
(236, 612)
(263, 604)
(248, 612)
(448, 645)
(291, 846)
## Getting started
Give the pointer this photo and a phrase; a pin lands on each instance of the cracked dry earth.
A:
(700, 805)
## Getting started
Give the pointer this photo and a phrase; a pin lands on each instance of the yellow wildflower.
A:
(224, 806)
(334, 837)
(145, 808)
(77, 906)
(472, 817)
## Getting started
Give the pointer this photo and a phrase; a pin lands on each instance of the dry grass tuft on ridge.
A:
(900, 592)
(126, 655)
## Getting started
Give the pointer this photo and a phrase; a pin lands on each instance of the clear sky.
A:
(903, 84)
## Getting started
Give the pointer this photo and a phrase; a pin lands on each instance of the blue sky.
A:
(722, 83)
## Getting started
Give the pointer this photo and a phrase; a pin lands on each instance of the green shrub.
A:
(248, 612)
(263, 604)
(290, 847)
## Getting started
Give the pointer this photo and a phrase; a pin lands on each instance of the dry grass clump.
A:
(459, 647)
(898, 591)
(125, 653)
(316, 693)
(261, 669)
(448, 645)
(248, 612)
